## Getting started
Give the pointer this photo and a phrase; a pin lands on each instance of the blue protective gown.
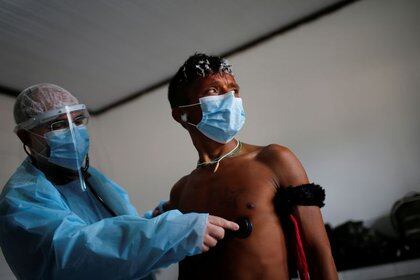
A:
(60, 232)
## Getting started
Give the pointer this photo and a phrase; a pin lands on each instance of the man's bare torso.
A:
(243, 186)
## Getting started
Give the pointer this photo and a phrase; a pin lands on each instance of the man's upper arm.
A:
(175, 194)
(286, 166)
(290, 172)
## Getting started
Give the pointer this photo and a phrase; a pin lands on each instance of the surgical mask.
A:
(222, 116)
(63, 151)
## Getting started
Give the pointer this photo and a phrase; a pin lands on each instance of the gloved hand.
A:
(161, 208)
(215, 231)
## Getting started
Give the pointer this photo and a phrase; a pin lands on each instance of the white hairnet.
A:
(41, 98)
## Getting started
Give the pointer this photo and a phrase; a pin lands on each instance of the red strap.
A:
(302, 264)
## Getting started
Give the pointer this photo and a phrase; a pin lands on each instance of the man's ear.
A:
(24, 137)
(177, 114)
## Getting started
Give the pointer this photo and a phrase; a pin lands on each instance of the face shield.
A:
(65, 138)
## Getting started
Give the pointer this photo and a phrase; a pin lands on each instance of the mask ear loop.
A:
(184, 118)
(31, 156)
(25, 148)
(33, 151)
(189, 105)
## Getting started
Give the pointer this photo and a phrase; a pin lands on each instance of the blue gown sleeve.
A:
(149, 214)
(42, 238)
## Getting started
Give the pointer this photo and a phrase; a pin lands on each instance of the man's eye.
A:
(59, 125)
(78, 122)
(212, 91)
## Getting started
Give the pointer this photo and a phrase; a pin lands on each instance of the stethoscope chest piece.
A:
(245, 228)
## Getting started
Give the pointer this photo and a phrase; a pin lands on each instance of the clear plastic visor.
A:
(65, 133)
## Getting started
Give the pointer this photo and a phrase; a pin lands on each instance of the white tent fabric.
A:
(103, 51)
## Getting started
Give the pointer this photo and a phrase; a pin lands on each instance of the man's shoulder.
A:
(272, 153)
(284, 163)
(281, 160)
(275, 151)
(181, 182)
(178, 188)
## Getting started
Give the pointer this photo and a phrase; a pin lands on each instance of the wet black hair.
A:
(195, 67)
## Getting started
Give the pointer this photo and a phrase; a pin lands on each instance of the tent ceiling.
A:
(104, 51)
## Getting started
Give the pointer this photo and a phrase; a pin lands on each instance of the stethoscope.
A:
(85, 180)
(245, 225)
(100, 199)
(245, 228)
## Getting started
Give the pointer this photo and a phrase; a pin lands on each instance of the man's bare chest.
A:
(234, 190)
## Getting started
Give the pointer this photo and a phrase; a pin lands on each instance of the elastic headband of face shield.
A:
(49, 116)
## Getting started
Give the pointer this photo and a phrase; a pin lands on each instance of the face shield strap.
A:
(51, 170)
(49, 116)
(84, 168)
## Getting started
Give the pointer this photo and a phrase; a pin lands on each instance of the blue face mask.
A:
(222, 116)
(63, 151)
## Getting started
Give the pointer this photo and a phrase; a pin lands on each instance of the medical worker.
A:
(62, 219)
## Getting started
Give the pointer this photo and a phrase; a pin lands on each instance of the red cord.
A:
(302, 264)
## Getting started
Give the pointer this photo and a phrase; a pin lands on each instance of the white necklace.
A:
(217, 160)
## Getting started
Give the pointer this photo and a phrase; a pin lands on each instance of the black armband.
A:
(306, 194)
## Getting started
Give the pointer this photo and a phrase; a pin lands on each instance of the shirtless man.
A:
(234, 179)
